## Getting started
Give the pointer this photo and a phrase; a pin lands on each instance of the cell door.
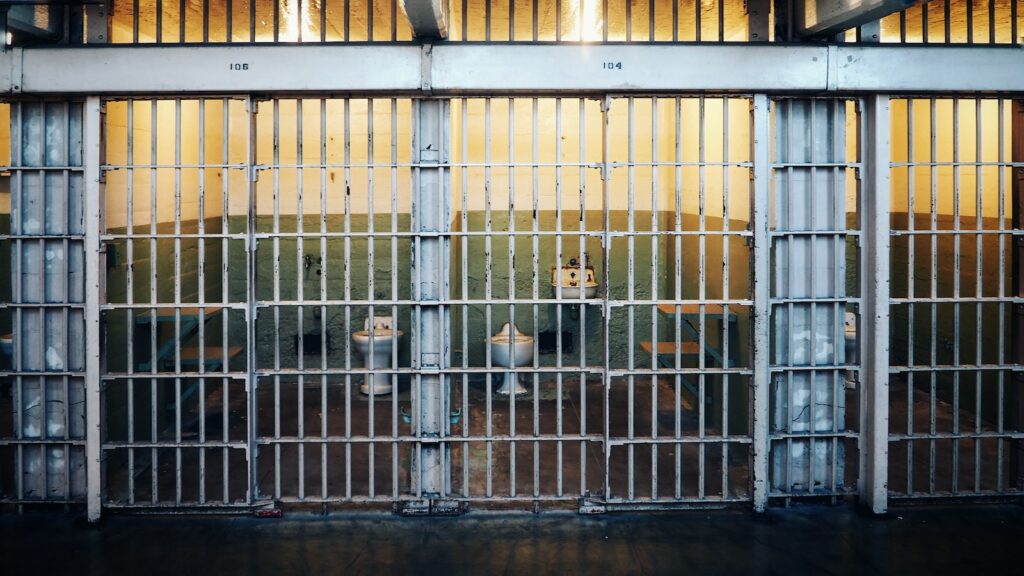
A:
(601, 301)
(332, 255)
(175, 311)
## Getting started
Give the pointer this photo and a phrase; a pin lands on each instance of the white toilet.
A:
(384, 337)
(511, 348)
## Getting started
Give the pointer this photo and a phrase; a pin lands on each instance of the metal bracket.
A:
(430, 439)
(591, 507)
(426, 63)
(431, 507)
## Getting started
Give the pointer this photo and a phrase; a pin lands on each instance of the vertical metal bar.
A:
(347, 118)
(91, 159)
(955, 471)
(724, 324)
(606, 383)
(225, 288)
(177, 292)
(511, 239)
(153, 261)
(488, 292)
(535, 295)
(431, 223)
(758, 20)
(201, 274)
(978, 284)
(300, 295)
(130, 289)
(970, 21)
(1002, 347)
(252, 382)
(393, 377)
(630, 287)
(581, 244)
(1013, 22)
(323, 284)
(371, 290)
(701, 294)
(464, 265)
(369, 34)
(947, 23)
(677, 295)
(761, 120)
(559, 447)
(697, 9)
(654, 268)
(276, 280)
(874, 325)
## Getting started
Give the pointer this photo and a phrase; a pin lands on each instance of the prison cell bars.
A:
(46, 380)
(465, 163)
(958, 22)
(595, 20)
(239, 21)
(256, 21)
(798, 158)
(131, 314)
(713, 378)
(347, 302)
(177, 313)
(935, 370)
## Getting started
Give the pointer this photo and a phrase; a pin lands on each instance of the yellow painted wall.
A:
(954, 139)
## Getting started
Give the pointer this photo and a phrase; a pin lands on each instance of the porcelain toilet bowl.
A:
(511, 348)
(383, 338)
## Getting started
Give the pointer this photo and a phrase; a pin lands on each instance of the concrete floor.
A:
(800, 540)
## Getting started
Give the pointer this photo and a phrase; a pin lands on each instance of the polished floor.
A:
(807, 539)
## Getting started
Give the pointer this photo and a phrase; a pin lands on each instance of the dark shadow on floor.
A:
(799, 540)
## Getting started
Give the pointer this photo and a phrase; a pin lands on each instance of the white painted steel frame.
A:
(990, 76)
(873, 326)
(761, 269)
(91, 143)
(495, 69)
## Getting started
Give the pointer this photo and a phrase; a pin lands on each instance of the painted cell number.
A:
(238, 66)
(612, 65)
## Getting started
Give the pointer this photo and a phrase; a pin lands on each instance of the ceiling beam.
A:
(428, 18)
(823, 18)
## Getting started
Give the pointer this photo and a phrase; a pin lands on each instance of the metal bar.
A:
(431, 210)
(874, 318)
(323, 279)
(761, 322)
(251, 381)
(91, 158)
